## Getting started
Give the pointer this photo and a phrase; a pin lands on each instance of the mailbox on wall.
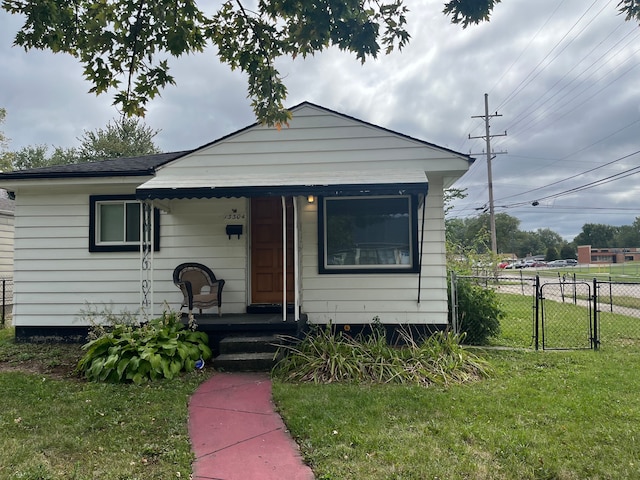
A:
(234, 230)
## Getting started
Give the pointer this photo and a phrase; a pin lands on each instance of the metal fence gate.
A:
(561, 312)
(561, 325)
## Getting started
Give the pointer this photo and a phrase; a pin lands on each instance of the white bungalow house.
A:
(357, 208)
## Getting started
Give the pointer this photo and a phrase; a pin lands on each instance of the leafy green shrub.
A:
(162, 348)
(325, 356)
(479, 312)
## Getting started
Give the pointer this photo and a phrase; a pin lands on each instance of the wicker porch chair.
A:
(200, 287)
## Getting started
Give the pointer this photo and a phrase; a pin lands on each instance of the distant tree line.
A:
(474, 233)
(126, 137)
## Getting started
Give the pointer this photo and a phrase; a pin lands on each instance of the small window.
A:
(368, 235)
(114, 224)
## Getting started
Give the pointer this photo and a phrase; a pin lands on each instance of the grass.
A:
(543, 415)
(55, 426)
(566, 325)
(622, 272)
(559, 415)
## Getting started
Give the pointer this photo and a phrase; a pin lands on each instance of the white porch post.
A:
(284, 258)
(146, 262)
(296, 262)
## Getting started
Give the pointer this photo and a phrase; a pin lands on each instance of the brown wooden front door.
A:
(266, 250)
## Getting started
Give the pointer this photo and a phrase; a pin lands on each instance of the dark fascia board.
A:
(283, 190)
(115, 167)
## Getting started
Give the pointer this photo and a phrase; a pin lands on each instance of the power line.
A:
(538, 104)
(528, 45)
(520, 86)
(572, 176)
(535, 122)
(596, 183)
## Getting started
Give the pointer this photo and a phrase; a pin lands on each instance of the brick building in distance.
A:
(586, 254)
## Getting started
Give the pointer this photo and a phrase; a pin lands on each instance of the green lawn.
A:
(540, 415)
(54, 426)
(567, 325)
(622, 272)
(544, 415)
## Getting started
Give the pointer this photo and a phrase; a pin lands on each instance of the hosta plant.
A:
(161, 348)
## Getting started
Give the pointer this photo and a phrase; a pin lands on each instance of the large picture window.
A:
(367, 234)
(114, 224)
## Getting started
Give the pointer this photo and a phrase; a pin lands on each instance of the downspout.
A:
(296, 261)
(424, 208)
(284, 259)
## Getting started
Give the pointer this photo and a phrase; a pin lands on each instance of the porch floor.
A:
(242, 319)
(247, 323)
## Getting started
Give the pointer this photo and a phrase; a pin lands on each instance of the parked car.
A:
(557, 263)
(532, 263)
(571, 262)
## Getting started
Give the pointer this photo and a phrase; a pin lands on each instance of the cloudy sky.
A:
(562, 74)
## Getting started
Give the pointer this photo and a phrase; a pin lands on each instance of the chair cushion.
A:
(205, 300)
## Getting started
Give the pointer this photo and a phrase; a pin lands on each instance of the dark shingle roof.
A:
(129, 166)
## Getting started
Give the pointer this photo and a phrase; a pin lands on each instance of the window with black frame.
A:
(368, 234)
(114, 223)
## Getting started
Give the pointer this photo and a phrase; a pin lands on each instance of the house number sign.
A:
(234, 215)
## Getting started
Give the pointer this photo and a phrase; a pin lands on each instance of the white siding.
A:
(315, 141)
(358, 298)
(57, 277)
(6, 245)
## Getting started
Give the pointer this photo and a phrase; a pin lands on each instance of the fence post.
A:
(594, 341)
(4, 299)
(454, 302)
(537, 312)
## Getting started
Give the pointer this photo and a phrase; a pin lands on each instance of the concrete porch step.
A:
(245, 362)
(246, 344)
(247, 352)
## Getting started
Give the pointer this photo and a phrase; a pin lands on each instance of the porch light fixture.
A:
(311, 199)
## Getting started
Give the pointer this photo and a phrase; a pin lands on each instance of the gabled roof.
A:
(115, 167)
(343, 115)
(148, 164)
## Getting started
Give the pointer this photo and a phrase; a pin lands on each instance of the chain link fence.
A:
(560, 311)
(6, 284)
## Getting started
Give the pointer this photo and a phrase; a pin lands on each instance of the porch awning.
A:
(377, 182)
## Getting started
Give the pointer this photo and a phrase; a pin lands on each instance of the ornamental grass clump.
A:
(161, 348)
(326, 356)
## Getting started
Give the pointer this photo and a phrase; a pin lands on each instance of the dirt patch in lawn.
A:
(50, 359)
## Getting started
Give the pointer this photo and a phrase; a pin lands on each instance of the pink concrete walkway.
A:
(236, 433)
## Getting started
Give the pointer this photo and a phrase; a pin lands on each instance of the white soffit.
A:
(376, 177)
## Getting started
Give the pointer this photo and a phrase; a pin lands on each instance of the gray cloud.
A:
(562, 75)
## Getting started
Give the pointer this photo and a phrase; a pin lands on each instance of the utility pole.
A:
(490, 156)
